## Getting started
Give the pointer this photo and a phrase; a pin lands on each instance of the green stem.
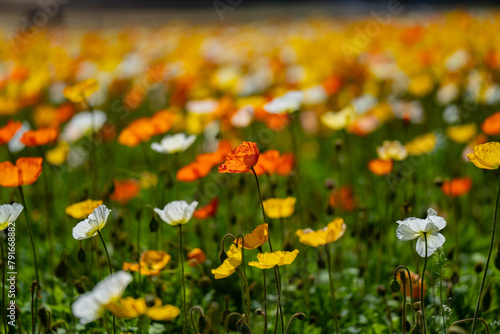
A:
(332, 288)
(110, 272)
(4, 316)
(184, 325)
(492, 241)
(441, 292)
(33, 248)
(422, 285)
(404, 289)
(265, 296)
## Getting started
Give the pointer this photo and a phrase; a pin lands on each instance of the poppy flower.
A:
(415, 283)
(125, 190)
(89, 227)
(81, 210)
(332, 232)
(196, 256)
(8, 131)
(287, 103)
(343, 197)
(39, 137)
(278, 258)
(162, 121)
(491, 125)
(457, 187)
(462, 133)
(130, 308)
(138, 131)
(57, 156)
(257, 238)
(82, 124)
(412, 228)
(486, 156)
(25, 172)
(380, 167)
(241, 159)
(151, 263)
(279, 207)
(177, 212)
(268, 162)
(9, 214)
(339, 120)
(174, 144)
(421, 144)
(230, 264)
(286, 164)
(91, 305)
(80, 91)
(208, 210)
(392, 150)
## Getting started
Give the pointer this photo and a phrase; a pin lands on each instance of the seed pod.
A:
(61, 268)
(150, 300)
(243, 327)
(153, 225)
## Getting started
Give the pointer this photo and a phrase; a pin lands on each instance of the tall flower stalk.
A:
(332, 288)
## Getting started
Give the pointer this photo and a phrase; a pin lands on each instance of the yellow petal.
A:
(163, 313)
(279, 207)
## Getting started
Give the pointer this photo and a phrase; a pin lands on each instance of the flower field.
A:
(319, 175)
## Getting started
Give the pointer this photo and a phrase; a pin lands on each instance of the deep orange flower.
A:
(39, 137)
(380, 167)
(270, 162)
(491, 125)
(257, 238)
(285, 164)
(125, 190)
(196, 256)
(203, 163)
(151, 263)
(415, 282)
(162, 121)
(457, 187)
(208, 210)
(8, 131)
(138, 131)
(241, 159)
(343, 197)
(25, 172)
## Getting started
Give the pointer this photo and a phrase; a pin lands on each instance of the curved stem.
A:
(492, 241)
(422, 286)
(226, 321)
(245, 296)
(296, 315)
(200, 313)
(184, 327)
(411, 288)
(469, 319)
(110, 271)
(33, 248)
(332, 288)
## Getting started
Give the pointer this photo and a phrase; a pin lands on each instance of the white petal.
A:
(87, 309)
(430, 227)
(437, 220)
(82, 229)
(190, 210)
(175, 211)
(434, 241)
(405, 232)
(162, 215)
(157, 147)
(100, 215)
(16, 211)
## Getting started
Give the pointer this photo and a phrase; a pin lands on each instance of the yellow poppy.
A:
(131, 308)
(83, 209)
(57, 156)
(339, 120)
(228, 267)
(462, 133)
(151, 263)
(421, 144)
(332, 232)
(278, 258)
(80, 91)
(279, 207)
(257, 238)
(486, 156)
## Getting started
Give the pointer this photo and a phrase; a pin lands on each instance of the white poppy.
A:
(177, 212)
(94, 223)
(91, 305)
(173, 144)
(207, 106)
(287, 103)
(412, 228)
(9, 214)
(82, 124)
(315, 95)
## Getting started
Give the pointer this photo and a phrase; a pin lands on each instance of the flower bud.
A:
(153, 225)
(204, 324)
(81, 256)
(150, 300)
(395, 286)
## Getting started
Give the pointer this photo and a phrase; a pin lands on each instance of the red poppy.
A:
(125, 190)
(343, 198)
(208, 210)
(26, 171)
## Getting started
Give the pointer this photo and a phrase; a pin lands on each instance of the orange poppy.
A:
(257, 238)
(39, 137)
(208, 210)
(203, 163)
(343, 197)
(162, 121)
(125, 190)
(25, 172)
(415, 282)
(380, 167)
(139, 130)
(151, 263)
(196, 256)
(457, 187)
(491, 125)
(241, 159)
(268, 162)
(8, 131)
(285, 164)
